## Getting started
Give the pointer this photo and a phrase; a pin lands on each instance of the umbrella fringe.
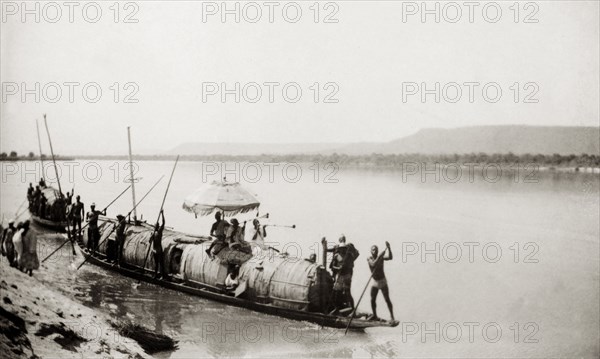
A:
(228, 213)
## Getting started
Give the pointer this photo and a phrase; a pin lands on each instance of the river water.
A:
(495, 264)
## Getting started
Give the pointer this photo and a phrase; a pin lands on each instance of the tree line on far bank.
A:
(388, 160)
(14, 156)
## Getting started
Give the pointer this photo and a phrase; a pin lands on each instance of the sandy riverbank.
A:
(38, 322)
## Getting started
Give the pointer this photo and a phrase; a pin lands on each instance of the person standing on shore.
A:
(18, 246)
(30, 260)
(8, 248)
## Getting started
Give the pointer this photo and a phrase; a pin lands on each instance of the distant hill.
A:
(489, 139)
(517, 139)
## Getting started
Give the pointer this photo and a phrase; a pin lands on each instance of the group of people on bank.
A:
(19, 245)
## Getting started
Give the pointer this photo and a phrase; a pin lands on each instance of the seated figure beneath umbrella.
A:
(225, 198)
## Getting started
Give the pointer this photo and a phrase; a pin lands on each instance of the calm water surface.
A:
(480, 269)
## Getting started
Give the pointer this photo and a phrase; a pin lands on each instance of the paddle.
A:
(240, 289)
(115, 227)
(68, 239)
(17, 216)
(363, 292)
(159, 212)
(18, 209)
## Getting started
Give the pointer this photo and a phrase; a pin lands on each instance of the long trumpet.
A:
(281, 225)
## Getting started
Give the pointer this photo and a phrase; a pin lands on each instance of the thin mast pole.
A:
(60, 192)
(37, 126)
(53, 159)
(131, 176)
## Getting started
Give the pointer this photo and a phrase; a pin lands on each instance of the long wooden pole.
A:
(109, 233)
(37, 126)
(52, 153)
(60, 192)
(131, 176)
(362, 294)
(161, 209)
(105, 208)
(168, 185)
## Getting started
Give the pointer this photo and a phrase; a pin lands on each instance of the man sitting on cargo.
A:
(235, 234)
(217, 230)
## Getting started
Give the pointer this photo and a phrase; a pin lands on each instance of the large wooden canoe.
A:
(221, 295)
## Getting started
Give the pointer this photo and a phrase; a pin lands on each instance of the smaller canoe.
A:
(47, 223)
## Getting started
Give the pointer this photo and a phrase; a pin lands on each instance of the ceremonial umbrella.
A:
(229, 197)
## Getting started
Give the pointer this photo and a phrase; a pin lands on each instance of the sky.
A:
(370, 61)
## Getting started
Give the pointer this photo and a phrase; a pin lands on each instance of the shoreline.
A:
(37, 321)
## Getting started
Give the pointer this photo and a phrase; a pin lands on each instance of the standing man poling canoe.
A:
(379, 281)
(120, 237)
(76, 214)
(156, 240)
(93, 230)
